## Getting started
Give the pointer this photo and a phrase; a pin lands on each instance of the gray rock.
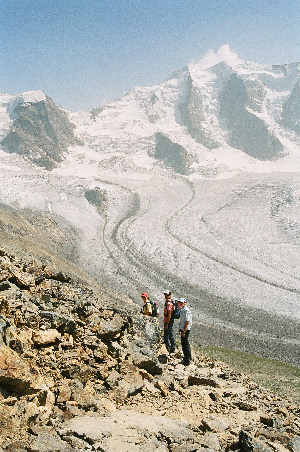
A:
(46, 442)
(194, 447)
(112, 328)
(294, 444)
(172, 154)
(245, 406)
(210, 440)
(4, 324)
(143, 356)
(113, 378)
(249, 444)
(63, 393)
(128, 431)
(78, 444)
(245, 130)
(117, 350)
(15, 446)
(291, 110)
(202, 380)
(57, 321)
(267, 420)
(85, 399)
(134, 382)
(41, 131)
(149, 363)
(97, 197)
(215, 424)
(146, 330)
(192, 115)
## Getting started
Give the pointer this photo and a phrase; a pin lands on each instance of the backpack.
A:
(176, 310)
(155, 309)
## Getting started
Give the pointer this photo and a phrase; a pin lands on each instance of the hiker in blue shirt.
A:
(185, 324)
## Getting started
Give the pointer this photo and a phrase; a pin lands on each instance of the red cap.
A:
(144, 294)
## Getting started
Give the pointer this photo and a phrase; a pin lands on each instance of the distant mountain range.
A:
(192, 184)
(208, 114)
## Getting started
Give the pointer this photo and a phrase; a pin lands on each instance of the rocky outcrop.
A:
(290, 116)
(81, 373)
(97, 198)
(173, 155)
(191, 113)
(41, 131)
(246, 131)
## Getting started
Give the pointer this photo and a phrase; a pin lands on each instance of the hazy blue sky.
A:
(84, 52)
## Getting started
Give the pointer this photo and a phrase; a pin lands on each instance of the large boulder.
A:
(15, 374)
(144, 358)
(46, 337)
(248, 443)
(48, 442)
(143, 342)
(109, 329)
(128, 431)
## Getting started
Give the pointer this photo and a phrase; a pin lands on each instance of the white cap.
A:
(182, 300)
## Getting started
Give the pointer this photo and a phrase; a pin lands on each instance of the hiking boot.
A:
(186, 363)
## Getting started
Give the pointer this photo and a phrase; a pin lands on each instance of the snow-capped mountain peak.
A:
(221, 111)
(33, 96)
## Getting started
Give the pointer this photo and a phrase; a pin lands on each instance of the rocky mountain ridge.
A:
(81, 373)
(37, 129)
(209, 111)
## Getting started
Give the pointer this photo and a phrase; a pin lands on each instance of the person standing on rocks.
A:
(147, 307)
(169, 338)
(185, 324)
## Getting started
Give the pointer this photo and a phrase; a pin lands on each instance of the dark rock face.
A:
(173, 155)
(97, 197)
(248, 444)
(191, 115)
(246, 131)
(291, 110)
(41, 131)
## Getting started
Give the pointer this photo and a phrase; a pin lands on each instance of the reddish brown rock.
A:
(15, 374)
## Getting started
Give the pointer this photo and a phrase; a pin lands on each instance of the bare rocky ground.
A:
(87, 372)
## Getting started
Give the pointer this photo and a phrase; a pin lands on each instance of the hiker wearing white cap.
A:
(185, 324)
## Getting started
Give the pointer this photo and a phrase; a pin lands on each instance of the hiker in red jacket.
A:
(169, 338)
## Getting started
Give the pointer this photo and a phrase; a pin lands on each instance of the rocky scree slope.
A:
(79, 373)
